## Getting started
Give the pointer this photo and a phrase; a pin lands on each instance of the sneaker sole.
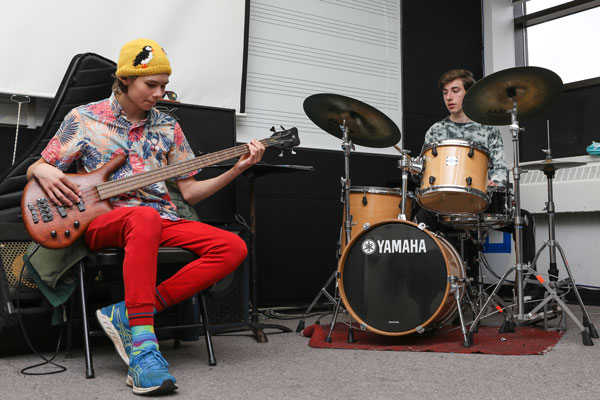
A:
(165, 387)
(113, 335)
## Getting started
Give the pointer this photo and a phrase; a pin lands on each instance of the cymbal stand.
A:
(347, 146)
(519, 268)
(552, 244)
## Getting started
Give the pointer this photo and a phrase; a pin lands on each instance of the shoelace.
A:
(152, 360)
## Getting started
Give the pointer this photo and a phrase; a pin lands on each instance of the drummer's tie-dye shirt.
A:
(483, 135)
(95, 133)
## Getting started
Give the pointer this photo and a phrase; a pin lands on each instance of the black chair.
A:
(171, 256)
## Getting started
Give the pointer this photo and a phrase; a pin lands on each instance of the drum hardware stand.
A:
(482, 301)
(455, 284)
(519, 267)
(405, 164)
(552, 244)
(347, 146)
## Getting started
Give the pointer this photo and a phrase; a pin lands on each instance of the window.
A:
(560, 35)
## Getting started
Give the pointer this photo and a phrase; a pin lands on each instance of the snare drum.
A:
(454, 179)
(369, 205)
(498, 214)
(395, 278)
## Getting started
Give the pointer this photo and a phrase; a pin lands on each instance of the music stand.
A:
(258, 170)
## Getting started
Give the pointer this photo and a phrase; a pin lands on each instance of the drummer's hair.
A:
(465, 75)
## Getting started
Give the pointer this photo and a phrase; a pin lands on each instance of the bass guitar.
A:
(55, 226)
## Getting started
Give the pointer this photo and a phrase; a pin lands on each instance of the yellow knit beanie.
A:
(142, 57)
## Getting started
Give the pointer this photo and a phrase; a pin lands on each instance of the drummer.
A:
(454, 85)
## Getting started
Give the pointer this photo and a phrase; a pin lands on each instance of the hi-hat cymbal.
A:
(550, 166)
(490, 100)
(367, 126)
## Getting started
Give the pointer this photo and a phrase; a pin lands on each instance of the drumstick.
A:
(399, 149)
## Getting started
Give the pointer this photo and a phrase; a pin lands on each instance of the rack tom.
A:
(455, 176)
(369, 205)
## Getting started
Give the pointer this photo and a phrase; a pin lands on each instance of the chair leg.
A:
(69, 344)
(212, 361)
(89, 367)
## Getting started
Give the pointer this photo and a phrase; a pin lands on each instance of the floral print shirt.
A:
(95, 133)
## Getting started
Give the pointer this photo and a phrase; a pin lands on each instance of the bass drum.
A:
(394, 278)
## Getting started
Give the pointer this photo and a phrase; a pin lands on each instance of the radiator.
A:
(574, 189)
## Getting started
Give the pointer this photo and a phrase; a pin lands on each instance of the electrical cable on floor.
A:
(25, 370)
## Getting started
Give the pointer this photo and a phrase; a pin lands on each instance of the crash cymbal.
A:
(489, 101)
(367, 126)
(551, 165)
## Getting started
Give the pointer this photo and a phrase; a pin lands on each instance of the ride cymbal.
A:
(367, 126)
(490, 100)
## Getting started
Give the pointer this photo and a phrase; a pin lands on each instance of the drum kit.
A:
(396, 277)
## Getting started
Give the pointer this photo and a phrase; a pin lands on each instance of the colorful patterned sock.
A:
(143, 337)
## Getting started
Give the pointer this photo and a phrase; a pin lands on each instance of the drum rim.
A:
(454, 189)
(351, 311)
(379, 190)
(489, 220)
(456, 142)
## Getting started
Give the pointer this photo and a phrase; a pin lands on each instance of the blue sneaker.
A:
(113, 320)
(148, 373)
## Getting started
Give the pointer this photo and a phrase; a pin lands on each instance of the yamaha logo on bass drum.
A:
(371, 246)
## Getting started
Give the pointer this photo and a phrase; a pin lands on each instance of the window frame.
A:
(522, 21)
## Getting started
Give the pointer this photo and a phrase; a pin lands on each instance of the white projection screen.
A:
(204, 40)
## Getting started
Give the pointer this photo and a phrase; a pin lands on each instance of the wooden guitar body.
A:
(54, 228)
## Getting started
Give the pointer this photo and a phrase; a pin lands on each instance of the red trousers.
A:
(140, 231)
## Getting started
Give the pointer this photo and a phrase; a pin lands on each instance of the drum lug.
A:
(434, 151)
(420, 329)
(469, 181)
(363, 326)
(364, 199)
(366, 226)
(471, 150)
(431, 180)
(422, 226)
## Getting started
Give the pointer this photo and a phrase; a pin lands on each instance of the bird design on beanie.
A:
(143, 57)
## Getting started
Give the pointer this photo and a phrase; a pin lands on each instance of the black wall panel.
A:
(208, 130)
(436, 37)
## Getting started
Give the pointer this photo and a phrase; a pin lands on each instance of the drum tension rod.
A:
(471, 151)
(434, 150)
(469, 180)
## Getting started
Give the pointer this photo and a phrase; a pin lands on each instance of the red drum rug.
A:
(526, 340)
